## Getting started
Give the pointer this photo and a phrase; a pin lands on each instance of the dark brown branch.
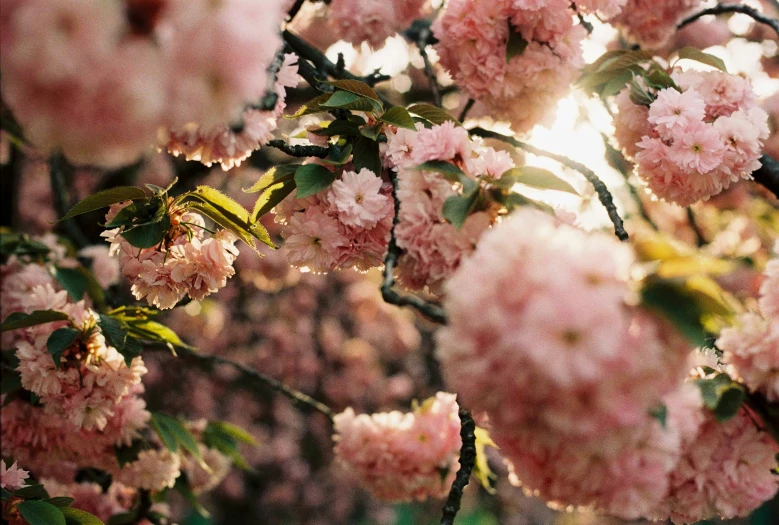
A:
(422, 39)
(431, 311)
(466, 109)
(720, 9)
(256, 378)
(293, 11)
(604, 195)
(467, 461)
(302, 150)
(700, 238)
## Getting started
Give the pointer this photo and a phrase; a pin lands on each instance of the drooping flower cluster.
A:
(228, 146)
(726, 472)
(475, 36)
(693, 142)
(651, 23)
(346, 226)
(91, 498)
(751, 348)
(402, 457)
(542, 340)
(188, 262)
(108, 75)
(359, 21)
(432, 247)
(152, 470)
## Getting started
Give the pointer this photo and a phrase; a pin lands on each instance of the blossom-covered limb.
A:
(431, 311)
(257, 378)
(299, 150)
(604, 195)
(733, 8)
(467, 461)
(768, 174)
(61, 196)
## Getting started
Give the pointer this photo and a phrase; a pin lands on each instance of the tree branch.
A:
(604, 195)
(466, 109)
(255, 377)
(433, 312)
(467, 461)
(61, 197)
(303, 150)
(421, 41)
(720, 9)
(768, 174)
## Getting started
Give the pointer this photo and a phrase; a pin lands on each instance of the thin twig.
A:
(421, 42)
(604, 195)
(467, 461)
(700, 238)
(733, 8)
(255, 377)
(293, 11)
(302, 150)
(433, 312)
(61, 198)
(466, 109)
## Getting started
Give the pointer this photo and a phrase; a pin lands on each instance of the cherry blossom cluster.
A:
(751, 348)
(12, 478)
(346, 226)
(402, 456)
(108, 75)
(652, 23)
(358, 21)
(223, 144)
(189, 261)
(693, 142)
(432, 247)
(91, 378)
(542, 340)
(473, 37)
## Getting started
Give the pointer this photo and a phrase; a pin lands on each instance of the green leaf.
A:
(366, 155)
(222, 202)
(338, 155)
(538, 178)
(132, 349)
(398, 116)
(659, 79)
(691, 53)
(174, 429)
(103, 199)
(11, 381)
(229, 214)
(481, 468)
(59, 341)
(166, 435)
(457, 207)
(272, 176)
(346, 100)
(114, 330)
(182, 486)
(356, 87)
(432, 114)
(78, 281)
(80, 517)
(678, 307)
(516, 43)
(639, 93)
(372, 132)
(19, 320)
(311, 107)
(271, 197)
(660, 413)
(12, 243)
(147, 330)
(41, 513)
(148, 235)
(61, 501)
(622, 60)
(339, 127)
(721, 395)
(125, 518)
(447, 169)
(311, 179)
(32, 492)
(233, 431)
(5, 494)
(514, 200)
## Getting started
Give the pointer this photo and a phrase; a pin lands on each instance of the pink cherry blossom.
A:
(401, 457)
(358, 200)
(12, 478)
